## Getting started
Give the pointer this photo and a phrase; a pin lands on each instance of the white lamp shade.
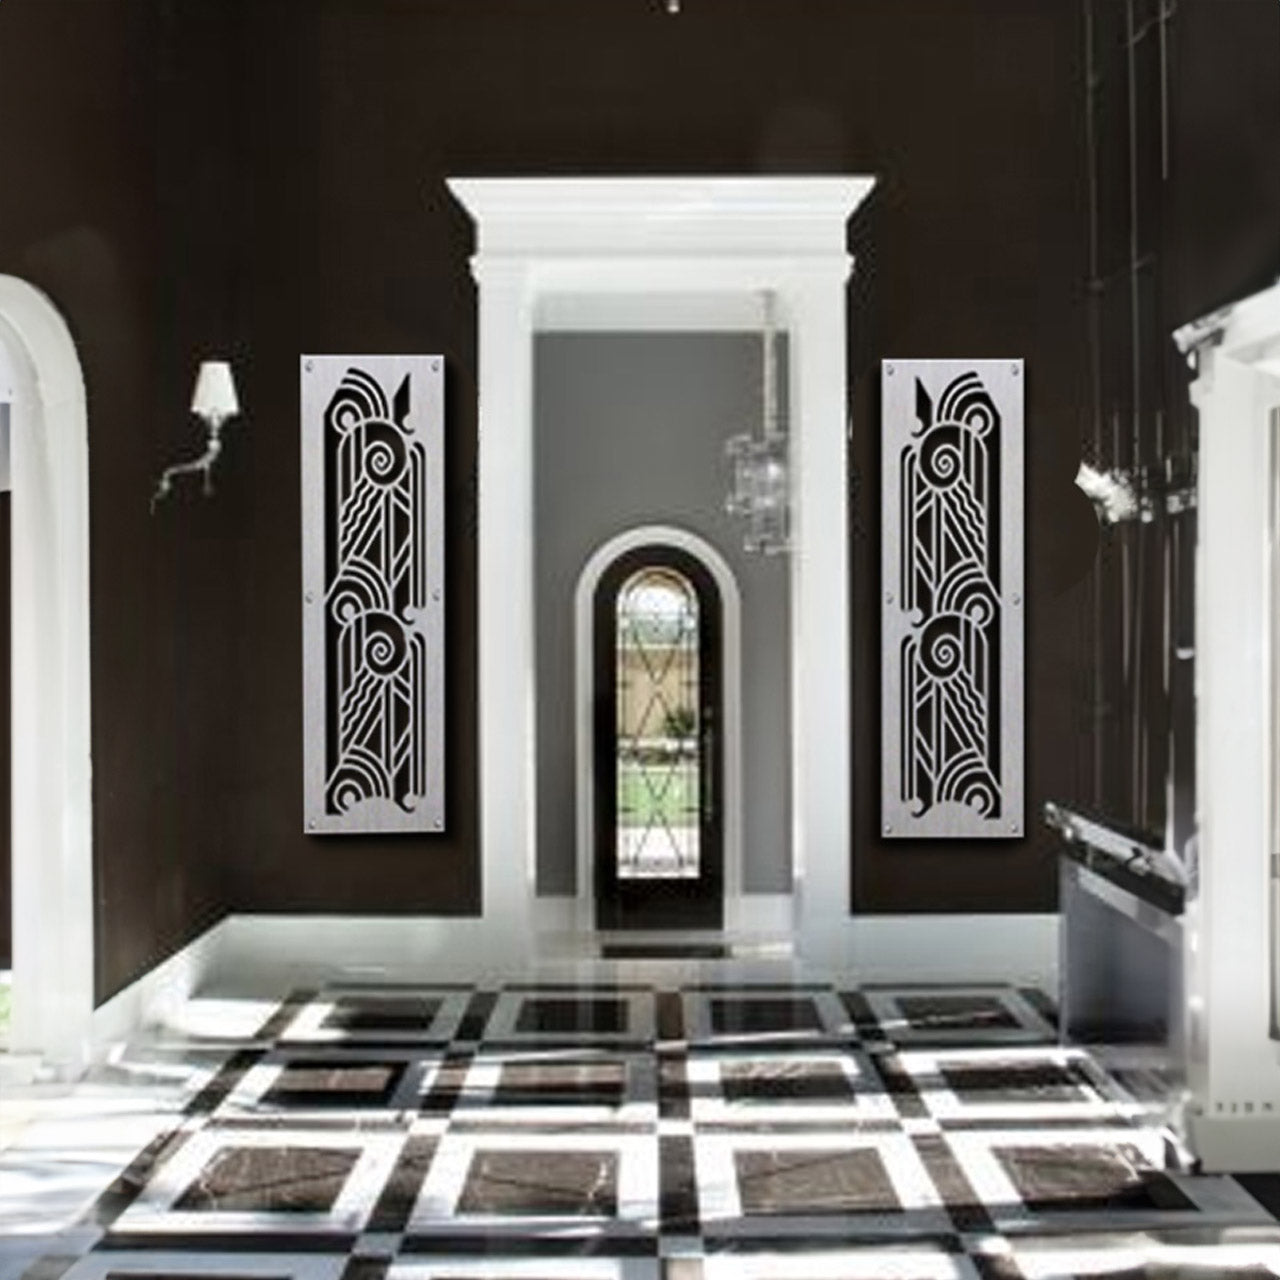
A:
(215, 394)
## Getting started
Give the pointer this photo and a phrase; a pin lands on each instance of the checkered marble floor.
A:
(619, 1130)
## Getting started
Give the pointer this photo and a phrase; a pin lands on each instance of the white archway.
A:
(731, 605)
(52, 840)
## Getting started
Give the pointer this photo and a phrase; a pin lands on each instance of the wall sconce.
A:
(215, 401)
(1140, 493)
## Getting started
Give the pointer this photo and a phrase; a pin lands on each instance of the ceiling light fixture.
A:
(761, 484)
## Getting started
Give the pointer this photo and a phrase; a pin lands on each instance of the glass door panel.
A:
(658, 727)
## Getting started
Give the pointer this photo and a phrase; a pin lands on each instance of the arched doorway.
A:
(658, 753)
(622, 556)
(52, 842)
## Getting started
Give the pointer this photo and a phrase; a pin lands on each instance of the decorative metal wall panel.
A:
(373, 593)
(953, 630)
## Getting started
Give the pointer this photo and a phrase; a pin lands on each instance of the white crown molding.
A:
(724, 217)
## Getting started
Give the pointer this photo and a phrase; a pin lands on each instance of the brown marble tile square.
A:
(766, 1080)
(334, 1084)
(1081, 1177)
(1016, 1082)
(1191, 1271)
(557, 1015)
(270, 1180)
(541, 1182)
(383, 1013)
(765, 1014)
(580, 1084)
(956, 1013)
(826, 1180)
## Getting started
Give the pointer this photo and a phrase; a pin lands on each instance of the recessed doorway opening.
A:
(657, 711)
(621, 815)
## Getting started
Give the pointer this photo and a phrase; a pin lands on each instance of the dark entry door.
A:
(658, 743)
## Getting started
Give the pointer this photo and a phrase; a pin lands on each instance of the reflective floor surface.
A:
(611, 1129)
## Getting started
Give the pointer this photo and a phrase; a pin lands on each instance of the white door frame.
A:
(1229, 926)
(52, 843)
(643, 241)
(584, 699)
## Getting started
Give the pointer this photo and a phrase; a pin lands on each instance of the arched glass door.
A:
(659, 860)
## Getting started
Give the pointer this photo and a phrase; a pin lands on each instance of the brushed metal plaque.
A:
(952, 674)
(373, 593)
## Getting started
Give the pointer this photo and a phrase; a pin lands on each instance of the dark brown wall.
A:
(1188, 179)
(267, 178)
(353, 116)
(104, 207)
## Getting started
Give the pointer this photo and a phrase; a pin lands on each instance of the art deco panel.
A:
(952, 636)
(373, 587)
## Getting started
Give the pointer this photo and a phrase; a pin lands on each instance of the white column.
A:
(508, 818)
(1234, 1063)
(820, 747)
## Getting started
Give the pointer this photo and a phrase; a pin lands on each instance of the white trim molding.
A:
(52, 845)
(1233, 1116)
(1021, 949)
(543, 240)
(160, 995)
(584, 699)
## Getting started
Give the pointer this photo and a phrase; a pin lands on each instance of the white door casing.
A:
(1230, 929)
(633, 243)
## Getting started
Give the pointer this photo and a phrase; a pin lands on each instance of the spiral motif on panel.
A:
(967, 401)
(942, 647)
(949, 588)
(359, 777)
(358, 399)
(941, 456)
(384, 645)
(359, 589)
(384, 451)
(967, 780)
(968, 592)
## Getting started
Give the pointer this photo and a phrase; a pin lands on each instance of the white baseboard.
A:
(1021, 949)
(761, 915)
(753, 915)
(265, 955)
(157, 996)
(1245, 1143)
(561, 913)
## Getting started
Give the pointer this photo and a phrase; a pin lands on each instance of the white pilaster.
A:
(820, 636)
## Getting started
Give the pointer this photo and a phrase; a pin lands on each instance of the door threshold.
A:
(685, 945)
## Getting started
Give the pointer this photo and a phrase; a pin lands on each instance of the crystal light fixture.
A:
(760, 481)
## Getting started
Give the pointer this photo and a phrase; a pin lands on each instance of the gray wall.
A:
(630, 430)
